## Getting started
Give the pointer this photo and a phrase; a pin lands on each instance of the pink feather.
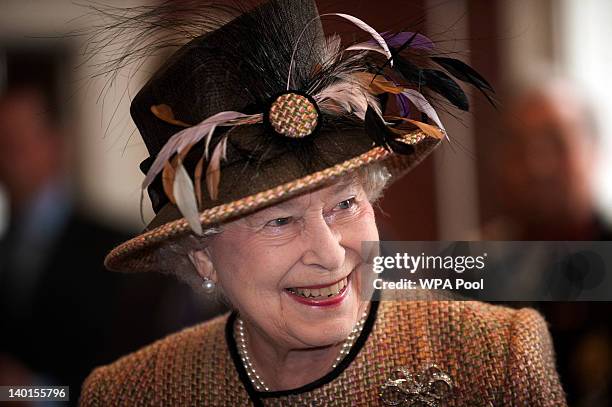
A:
(190, 136)
(361, 24)
(350, 96)
(366, 46)
(423, 105)
(185, 199)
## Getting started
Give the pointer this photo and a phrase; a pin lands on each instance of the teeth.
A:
(324, 292)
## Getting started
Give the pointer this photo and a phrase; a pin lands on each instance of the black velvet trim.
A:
(256, 395)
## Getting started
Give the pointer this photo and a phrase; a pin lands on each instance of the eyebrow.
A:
(344, 183)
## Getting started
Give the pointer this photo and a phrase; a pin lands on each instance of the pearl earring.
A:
(208, 285)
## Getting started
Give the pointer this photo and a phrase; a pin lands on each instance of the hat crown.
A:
(229, 69)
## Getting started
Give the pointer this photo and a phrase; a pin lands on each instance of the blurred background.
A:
(535, 168)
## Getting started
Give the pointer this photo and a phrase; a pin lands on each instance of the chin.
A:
(325, 333)
(329, 329)
(316, 326)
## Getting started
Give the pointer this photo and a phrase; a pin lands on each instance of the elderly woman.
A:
(269, 145)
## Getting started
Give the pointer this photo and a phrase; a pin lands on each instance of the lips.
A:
(320, 295)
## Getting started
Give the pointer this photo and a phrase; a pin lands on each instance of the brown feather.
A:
(168, 181)
(165, 113)
(431, 131)
(213, 172)
(377, 83)
(197, 176)
(169, 173)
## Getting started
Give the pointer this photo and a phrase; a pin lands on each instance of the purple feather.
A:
(402, 103)
(398, 39)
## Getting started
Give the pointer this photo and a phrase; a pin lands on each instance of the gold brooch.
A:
(425, 389)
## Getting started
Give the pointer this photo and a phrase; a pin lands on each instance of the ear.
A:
(202, 262)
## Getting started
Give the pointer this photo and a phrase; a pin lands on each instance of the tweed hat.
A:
(261, 106)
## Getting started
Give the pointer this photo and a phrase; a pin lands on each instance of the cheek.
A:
(250, 272)
(362, 228)
(353, 237)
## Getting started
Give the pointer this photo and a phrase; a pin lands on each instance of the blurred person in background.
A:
(60, 311)
(44, 318)
(547, 160)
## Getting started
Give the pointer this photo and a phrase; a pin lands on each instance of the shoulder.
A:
(483, 323)
(507, 351)
(509, 327)
(490, 317)
(484, 318)
(132, 379)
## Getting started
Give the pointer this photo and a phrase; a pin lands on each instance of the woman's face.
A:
(291, 270)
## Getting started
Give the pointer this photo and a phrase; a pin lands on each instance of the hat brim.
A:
(141, 252)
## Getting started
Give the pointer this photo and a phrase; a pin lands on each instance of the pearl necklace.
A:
(247, 362)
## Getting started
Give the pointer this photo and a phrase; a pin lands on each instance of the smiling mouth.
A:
(320, 292)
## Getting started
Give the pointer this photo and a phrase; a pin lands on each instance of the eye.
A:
(278, 222)
(346, 204)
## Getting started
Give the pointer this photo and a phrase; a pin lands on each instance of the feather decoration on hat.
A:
(191, 135)
(292, 80)
(339, 89)
(415, 40)
(185, 199)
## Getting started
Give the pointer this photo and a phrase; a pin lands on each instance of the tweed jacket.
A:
(495, 356)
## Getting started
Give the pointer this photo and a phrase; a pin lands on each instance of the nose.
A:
(323, 244)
